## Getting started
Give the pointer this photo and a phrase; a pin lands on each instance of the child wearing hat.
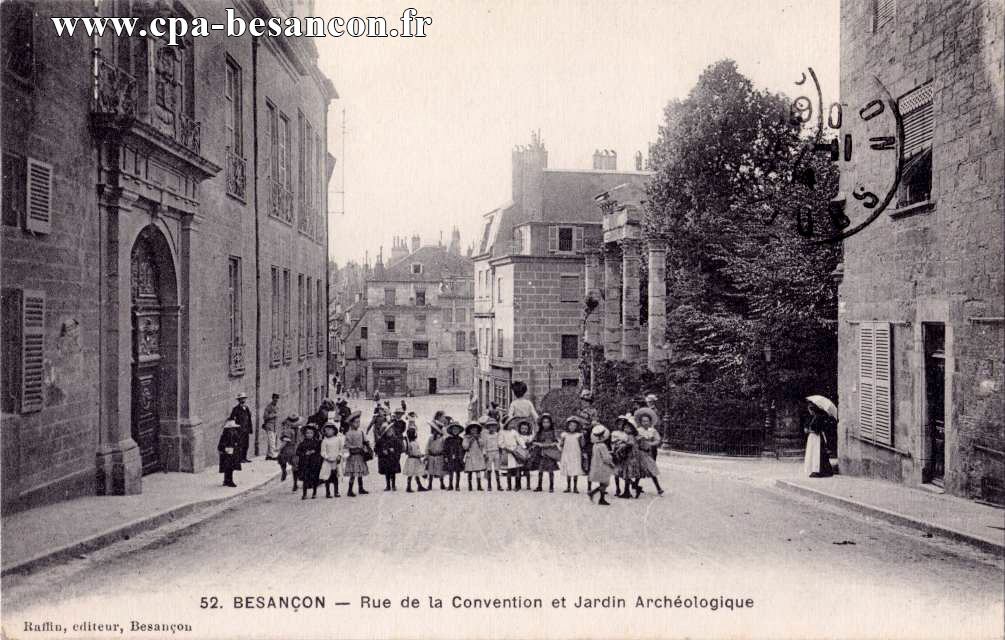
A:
(601, 464)
(288, 440)
(413, 462)
(389, 449)
(474, 453)
(648, 442)
(546, 452)
(229, 448)
(453, 455)
(508, 442)
(493, 455)
(331, 457)
(309, 461)
(571, 445)
(618, 436)
(435, 462)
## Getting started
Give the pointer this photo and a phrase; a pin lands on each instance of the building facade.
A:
(921, 300)
(529, 273)
(414, 336)
(163, 242)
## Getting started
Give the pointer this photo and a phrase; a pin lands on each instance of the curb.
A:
(125, 531)
(978, 542)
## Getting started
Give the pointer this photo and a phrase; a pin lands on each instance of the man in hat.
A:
(241, 414)
(269, 419)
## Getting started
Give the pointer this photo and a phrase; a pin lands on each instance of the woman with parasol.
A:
(817, 462)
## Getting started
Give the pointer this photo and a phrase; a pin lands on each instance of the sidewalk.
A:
(937, 514)
(71, 527)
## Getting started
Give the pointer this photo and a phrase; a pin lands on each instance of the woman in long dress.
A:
(571, 444)
(817, 462)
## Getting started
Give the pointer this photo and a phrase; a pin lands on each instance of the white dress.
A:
(331, 452)
(571, 462)
(509, 440)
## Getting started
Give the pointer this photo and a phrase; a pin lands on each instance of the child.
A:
(413, 464)
(331, 456)
(309, 461)
(434, 451)
(649, 441)
(492, 453)
(571, 444)
(229, 448)
(546, 452)
(288, 447)
(508, 443)
(617, 437)
(601, 464)
(523, 438)
(521, 407)
(474, 456)
(355, 467)
(389, 449)
(632, 467)
(453, 453)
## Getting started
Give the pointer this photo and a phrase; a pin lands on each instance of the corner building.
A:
(151, 193)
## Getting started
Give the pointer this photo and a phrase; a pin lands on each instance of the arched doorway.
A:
(152, 284)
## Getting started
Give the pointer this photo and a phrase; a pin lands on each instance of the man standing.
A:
(269, 419)
(241, 414)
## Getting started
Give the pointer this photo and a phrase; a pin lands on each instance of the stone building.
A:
(163, 242)
(529, 273)
(414, 336)
(921, 301)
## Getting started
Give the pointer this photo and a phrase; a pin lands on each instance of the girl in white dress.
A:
(331, 456)
(571, 444)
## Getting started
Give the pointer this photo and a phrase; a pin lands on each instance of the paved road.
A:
(812, 571)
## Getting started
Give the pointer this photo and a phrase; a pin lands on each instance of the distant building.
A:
(921, 301)
(529, 273)
(414, 335)
(147, 190)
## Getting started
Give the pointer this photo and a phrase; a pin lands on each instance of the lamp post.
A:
(768, 445)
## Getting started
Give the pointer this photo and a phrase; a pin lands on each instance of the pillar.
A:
(592, 288)
(657, 303)
(190, 426)
(630, 250)
(612, 303)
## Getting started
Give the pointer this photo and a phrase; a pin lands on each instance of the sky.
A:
(431, 122)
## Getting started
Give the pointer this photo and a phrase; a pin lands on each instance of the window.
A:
(420, 297)
(308, 176)
(27, 193)
(420, 324)
(570, 290)
(565, 239)
(448, 315)
(300, 392)
(919, 124)
(471, 339)
(420, 349)
(321, 181)
(301, 338)
(389, 349)
(570, 347)
(14, 176)
(359, 352)
(322, 328)
(389, 324)
(570, 382)
(18, 37)
(309, 316)
(272, 122)
(285, 141)
(882, 12)
(501, 394)
(416, 268)
(499, 343)
(362, 333)
(301, 220)
(276, 335)
(234, 298)
(23, 359)
(875, 406)
(389, 297)
(499, 290)
(287, 312)
(460, 341)
(461, 314)
(233, 93)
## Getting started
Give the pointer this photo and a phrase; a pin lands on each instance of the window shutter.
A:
(875, 397)
(883, 425)
(577, 238)
(38, 208)
(552, 239)
(919, 121)
(32, 350)
(884, 12)
(867, 381)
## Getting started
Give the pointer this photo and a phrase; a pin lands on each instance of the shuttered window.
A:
(577, 238)
(552, 239)
(882, 12)
(38, 208)
(916, 111)
(875, 402)
(24, 350)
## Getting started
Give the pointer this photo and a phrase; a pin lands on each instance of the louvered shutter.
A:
(875, 397)
(38, 207)
(577, 238)
(552, 239)
(884, 423)
(32, 350)
(884, 11)
(918, 119)
(866, 381)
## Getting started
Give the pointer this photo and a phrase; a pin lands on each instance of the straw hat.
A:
(646, 411)
(599, 433)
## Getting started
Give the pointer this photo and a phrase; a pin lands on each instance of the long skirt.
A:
(816, 463)
(414, 467)
(435, 467)
(572, 459)
(356, 466)
(648, 463)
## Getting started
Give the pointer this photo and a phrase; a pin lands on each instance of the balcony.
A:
(236, 177)
(275, 351)
(236, 356)
(281, 202)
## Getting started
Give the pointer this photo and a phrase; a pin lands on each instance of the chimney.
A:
(455, 242)
(398, 250)
(415, 243)
(529, 163)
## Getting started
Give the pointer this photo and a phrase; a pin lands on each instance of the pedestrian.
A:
(453, 455)
(241, 414)
(435, 466)
(633, 466)
(617, 437)
(601, 464)
(508, 442)
(343, 410)
(270, 417)
(404, 407)
(648, 442)
(414, 467)
(412, 417)
(331, 455)
(816, 462)
(309, 461)
(474, 453)
(522, 407)
(494, 412)
(493, 455)
(356, 468)
(288, 441)
(545, 452)
(472, 407)
(376, 396)
(388, 447)
(524, 434)
(229, 448)
(587, 410)
(571, 445)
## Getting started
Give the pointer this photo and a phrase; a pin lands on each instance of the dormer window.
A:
(416, 269)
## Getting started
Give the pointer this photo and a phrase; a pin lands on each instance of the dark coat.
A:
(390, 446)
(230, 437)
(453, 453)
(241, 414)
(309, 461)
(344, 412)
